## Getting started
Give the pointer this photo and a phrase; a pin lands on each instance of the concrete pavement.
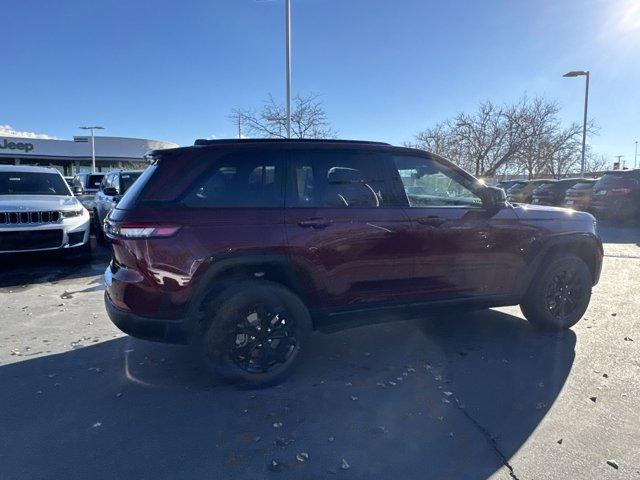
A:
(460, 396)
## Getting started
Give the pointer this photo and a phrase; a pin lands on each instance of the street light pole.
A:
(288, 62)
(578, 73)
(635, 158)
(584, 124)
(93, 145)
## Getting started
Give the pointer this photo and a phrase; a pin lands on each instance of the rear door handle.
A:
(431, 221)
(316, 223)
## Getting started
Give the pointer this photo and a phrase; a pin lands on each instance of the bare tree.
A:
(523, 137)
(308, 119)
(596, 163)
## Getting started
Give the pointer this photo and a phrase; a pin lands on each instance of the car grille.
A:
(17, 218)
(30, 240)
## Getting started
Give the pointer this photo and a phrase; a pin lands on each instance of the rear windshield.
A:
(132, 188)
(617, 180)
(168, 177)
(94, 181)
(127, 179)
(32, 183)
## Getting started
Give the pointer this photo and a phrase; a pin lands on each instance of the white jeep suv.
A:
(39, 212)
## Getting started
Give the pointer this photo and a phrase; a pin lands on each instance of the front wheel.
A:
(256, 333)
(559, 294)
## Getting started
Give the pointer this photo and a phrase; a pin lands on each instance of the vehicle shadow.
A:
(386, 399)
(613, 232)
(32, 268)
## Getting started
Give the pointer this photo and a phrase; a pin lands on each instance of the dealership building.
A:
(74, 156)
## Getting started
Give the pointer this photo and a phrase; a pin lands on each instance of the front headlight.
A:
(71, 213)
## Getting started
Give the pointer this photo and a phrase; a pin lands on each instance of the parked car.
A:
(112, 187)
(85, 186)
(552, 194)
(616, 195)
(243, 247)
(39, 212)
(579, 196)
(522, 192)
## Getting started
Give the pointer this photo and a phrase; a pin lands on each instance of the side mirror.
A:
(493, 198)
(110, 191)
(77, 190)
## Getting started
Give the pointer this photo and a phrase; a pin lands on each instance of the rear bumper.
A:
(165, 331)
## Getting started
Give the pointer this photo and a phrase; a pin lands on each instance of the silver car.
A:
(39, 212)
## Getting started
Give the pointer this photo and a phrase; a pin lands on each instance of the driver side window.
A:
(430, 184)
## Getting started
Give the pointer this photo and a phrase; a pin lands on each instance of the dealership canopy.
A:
(72, 156)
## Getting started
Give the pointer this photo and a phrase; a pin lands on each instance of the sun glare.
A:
(630, 19)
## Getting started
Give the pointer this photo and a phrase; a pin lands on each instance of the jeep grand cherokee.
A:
(243, 247)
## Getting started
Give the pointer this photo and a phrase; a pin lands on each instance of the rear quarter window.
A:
(243, 179)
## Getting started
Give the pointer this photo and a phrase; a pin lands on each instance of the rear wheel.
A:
(256, 333)
(559, 294)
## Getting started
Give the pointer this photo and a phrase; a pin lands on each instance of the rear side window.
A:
(338, 179)
(244, 179)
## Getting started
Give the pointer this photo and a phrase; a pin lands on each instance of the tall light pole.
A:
(635, 158)
(93, 145)
(287, 15)
(580, 73)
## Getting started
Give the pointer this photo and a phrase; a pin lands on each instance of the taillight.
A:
(622, 191)
(140, 231)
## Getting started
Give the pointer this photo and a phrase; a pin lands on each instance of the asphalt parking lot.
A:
(459, 396)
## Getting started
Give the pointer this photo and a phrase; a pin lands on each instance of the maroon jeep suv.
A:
(242, 247)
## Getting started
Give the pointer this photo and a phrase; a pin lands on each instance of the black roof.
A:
(223, 141)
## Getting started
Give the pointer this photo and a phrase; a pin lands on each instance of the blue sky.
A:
(385, 69)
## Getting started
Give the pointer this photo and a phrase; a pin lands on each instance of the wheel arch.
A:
(217, 275)
(585, 246)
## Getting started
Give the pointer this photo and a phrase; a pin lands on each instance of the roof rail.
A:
(205, 142)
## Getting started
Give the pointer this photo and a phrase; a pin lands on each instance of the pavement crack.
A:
(491, 440)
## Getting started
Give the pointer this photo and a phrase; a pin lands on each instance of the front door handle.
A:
(431, 221)
(316, 223)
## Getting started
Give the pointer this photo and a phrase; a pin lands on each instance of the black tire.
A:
(559, 293)
(247, 319)
(97, 228)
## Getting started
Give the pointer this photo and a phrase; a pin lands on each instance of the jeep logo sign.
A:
(24, 146)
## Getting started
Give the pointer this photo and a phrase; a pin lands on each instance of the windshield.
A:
(32, 183)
